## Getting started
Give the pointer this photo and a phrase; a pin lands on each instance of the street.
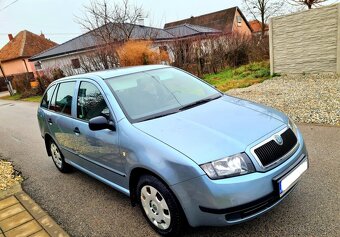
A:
(84, 206)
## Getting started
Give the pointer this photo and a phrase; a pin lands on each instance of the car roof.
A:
(111, 73)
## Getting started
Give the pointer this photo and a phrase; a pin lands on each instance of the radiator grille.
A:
(271, 151)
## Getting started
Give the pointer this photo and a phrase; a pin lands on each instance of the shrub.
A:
(57, 73)
(212, 54)
(259, 48)
(30, 93)
(47, 77)
(21, 82)
(138, 53)
(237, 55)
(44, 81)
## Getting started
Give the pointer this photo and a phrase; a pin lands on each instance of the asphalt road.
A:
(84, 206)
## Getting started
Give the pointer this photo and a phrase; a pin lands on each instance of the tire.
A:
(58, 158)
(160, 206)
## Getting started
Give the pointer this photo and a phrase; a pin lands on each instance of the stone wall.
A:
(307, 41)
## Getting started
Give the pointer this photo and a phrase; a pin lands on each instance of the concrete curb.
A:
(11, 191)
(21, 216)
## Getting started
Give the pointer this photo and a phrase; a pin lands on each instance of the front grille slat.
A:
(271, 151)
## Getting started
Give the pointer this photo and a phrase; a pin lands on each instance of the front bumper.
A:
(234, 200)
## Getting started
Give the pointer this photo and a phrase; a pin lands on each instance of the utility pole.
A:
(8, 83)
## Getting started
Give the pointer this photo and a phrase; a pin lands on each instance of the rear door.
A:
(98, 150)
(43, 110)
(60, 120)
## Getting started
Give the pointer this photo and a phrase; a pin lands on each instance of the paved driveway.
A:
(86, 207)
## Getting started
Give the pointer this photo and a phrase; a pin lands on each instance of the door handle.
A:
(76, 131)
(50, 121)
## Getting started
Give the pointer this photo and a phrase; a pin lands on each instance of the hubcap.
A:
(155, 207)
(56, 156)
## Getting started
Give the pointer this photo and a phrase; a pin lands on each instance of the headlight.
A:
(292, 125)
(235, 165)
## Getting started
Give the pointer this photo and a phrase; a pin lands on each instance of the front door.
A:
(99, 150)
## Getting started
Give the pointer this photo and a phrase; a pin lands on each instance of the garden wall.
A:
(307, 41)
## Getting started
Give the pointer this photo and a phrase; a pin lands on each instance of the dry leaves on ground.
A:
(8, 178)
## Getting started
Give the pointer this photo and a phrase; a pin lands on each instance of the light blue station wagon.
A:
(180, 149)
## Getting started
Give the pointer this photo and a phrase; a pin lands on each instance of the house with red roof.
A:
(15, 54)
(227, 21)
(256, 27)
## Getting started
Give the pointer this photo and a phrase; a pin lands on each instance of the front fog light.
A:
(235, 165)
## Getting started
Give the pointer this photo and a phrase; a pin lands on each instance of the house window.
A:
(239, 20)
(38, 65)
(75, 63)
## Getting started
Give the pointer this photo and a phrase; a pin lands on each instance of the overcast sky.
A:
(56, 18)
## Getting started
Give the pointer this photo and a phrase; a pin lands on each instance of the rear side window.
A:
(91, 102)
(47, 97)
(52, 102)
(63, 102)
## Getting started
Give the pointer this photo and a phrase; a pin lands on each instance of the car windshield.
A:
(156, 93)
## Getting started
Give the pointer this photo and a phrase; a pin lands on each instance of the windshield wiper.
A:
(159, 116)
(199, 102)
(188, 106)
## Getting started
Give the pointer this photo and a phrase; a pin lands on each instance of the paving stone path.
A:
(20, 216)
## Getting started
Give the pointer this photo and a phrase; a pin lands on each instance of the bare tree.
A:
(181, 51)
(105, 57)
(109, 23)
(261, 10)
(308, 3)
(109, 20)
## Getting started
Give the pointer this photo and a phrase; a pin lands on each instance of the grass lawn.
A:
(17, 96)
(240, 77)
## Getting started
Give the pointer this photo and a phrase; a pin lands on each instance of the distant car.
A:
(178, 147)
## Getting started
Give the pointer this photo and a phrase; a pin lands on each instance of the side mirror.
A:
(100, 123)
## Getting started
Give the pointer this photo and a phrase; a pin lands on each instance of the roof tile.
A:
(256, 26)
(25, 44)
(221, 20)
(189, 30)
(89, 40)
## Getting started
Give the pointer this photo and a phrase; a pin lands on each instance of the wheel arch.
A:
(135, 174)
(48, 138)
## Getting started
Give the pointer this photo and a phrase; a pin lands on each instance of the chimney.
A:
(141, 21)
(42, 35)
(10, 37)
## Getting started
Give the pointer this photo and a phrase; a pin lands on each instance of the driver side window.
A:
(90, 102)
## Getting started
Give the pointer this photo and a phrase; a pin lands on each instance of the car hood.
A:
(214, 130)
